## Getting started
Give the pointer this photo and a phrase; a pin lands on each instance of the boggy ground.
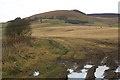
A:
(58, 48)
(94, 52)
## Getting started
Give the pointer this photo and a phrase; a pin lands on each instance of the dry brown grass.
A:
(77, 32)
(79, 41)
(39, 24)
(23, 61)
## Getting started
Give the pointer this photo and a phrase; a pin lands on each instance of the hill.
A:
(53, 50)
(59, 14)
(71, 17)
(104, 15)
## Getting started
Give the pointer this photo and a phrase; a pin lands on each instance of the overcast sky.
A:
(10, 9)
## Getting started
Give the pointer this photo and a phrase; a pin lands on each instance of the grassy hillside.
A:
(72, 17)
(59, 13)
(56, 49)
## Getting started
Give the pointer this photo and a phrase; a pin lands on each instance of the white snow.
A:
(81, 74)
(88, 66)
(70, 70)
(36, 73)
(98, 74)
(100, 71)
(118, 69)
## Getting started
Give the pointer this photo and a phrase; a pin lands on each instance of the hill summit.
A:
(72, 17)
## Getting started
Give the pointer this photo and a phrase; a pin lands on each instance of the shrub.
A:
(17, 31)
(18, 28)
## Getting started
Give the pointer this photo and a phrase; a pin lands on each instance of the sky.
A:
(10, 9)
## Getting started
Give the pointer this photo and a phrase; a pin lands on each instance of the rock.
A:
(90, 74)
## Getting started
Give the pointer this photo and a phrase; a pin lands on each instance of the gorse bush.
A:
(18, 28)
(17, 31)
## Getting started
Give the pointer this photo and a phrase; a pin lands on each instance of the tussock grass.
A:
(53, 46)
(59, 43)
(24, 60)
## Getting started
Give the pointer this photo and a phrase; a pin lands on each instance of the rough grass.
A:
(77, 32)
(54, 43)
(50, 25)
(72, 15)
(60, 24)
(25, 60)
(53, 46)
(58, 13)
